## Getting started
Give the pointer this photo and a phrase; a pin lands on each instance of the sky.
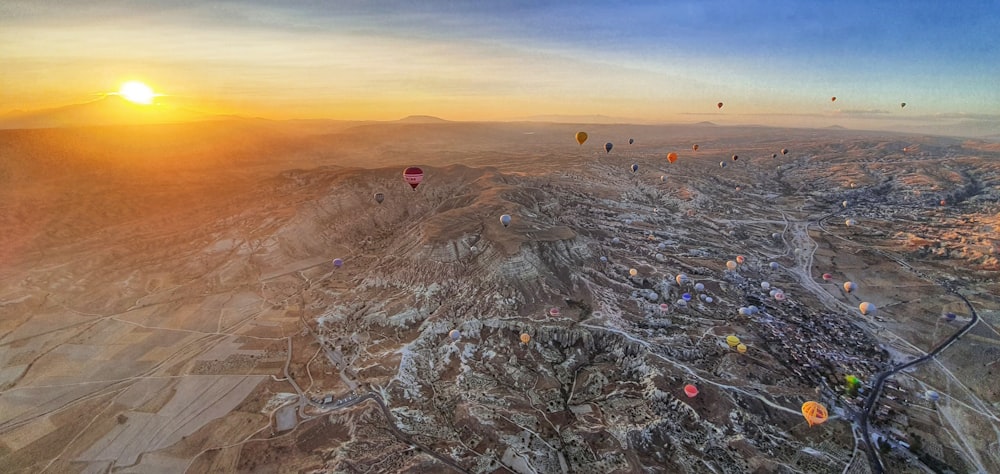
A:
(774, 61)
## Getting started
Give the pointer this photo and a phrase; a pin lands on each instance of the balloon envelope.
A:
(608, 146)
(774, 155)
(525, 338)
(950, 316)
(774, 265)
(635, 167)
(740, 259)
(699, 287)
(338, 262)
(672, 157)
(731, 265)
(814, 413)
(784, 151)
(554, 312)
(505, 220)
(631, 141)
(633, 272)
(581, 137)
(722, 164)
(719, 105)
(902, 104)
(413, 176)
(664, 306)
(736, 157)
(850, 286)
(690, 390)
(455, 335)
(833, 99)
(694, 147)
(379, 197)
(867, 308)
(733, 341)
(686, 296)
(827, 277)
(741, 348)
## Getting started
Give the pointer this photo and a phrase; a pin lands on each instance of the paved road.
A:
(869, 406)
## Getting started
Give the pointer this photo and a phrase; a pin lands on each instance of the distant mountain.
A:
(580, 119)
(836, 127)
(706, 122)
(110, 110)
(422, 119)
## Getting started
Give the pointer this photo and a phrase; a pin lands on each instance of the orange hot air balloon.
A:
(690, 390)
(581, 137)
(741, 348)
(739, 258)
(672, 157)
(694, 147)
(814, 413)
(525, 338)
(833, 99)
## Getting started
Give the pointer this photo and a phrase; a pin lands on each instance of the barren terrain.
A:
(168, 300)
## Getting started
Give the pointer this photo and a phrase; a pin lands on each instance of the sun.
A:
(137, 92)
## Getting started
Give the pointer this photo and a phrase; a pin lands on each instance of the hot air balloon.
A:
(505, 220)
(604, 259)
(852, 384)
(581, 137)
(733, 341)
(833, 99)
(740, 259)
(663, 177)
(867, 308)
(708, 299)
(736, 157)
(690, 390)
(765, 285)
(379, 197)
(731, 265)
(699, 287)
(631, 141)
(774, 265)
(932, 396)
(525, 338)
(413, 176)
(664, 306)
(672, 157)
(681, 279)
(694, 147)
(949, 316)
(455, 335)
(554, 312)
(844, 204)
(635, 167)
(902, 104)
(741, 348)
(722, 164)
(827, 277)
(779, 295)
(849, 286)
(814, 413)
(686, 296)
(338, 262)
(784, 151)
(608, 146)
(633, 272)
(850, 222)
(774, 155)
(719, 105)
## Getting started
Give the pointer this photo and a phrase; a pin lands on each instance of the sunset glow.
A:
(137, 92)
(773, 63)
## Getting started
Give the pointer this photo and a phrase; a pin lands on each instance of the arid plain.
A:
(168, 301)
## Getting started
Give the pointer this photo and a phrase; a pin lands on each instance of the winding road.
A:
(870, 402)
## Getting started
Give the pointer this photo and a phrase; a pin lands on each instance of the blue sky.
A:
(667, 61)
